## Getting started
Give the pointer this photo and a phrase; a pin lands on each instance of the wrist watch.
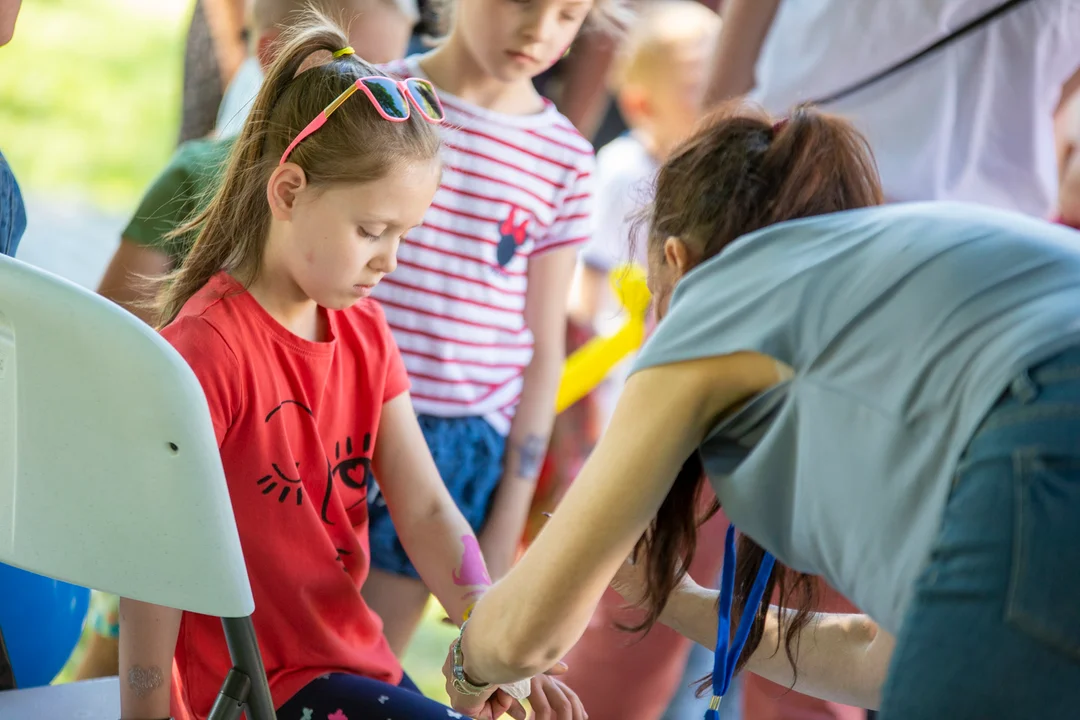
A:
(460, 681)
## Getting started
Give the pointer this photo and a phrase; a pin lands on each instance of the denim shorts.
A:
(993, 630)
(12, 210)
(468, 452)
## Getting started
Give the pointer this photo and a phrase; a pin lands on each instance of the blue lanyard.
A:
(725, 659)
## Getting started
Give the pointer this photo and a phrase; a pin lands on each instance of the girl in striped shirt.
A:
(478, 300)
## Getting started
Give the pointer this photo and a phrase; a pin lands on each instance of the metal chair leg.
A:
(246, 683)
(232, 697)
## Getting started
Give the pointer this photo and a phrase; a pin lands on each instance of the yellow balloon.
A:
(586, 368)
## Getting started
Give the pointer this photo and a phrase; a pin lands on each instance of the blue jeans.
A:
(468, 452)
(12, 210)
(993, 630)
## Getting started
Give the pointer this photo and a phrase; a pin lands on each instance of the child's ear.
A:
(1067, 151)
(285, 184)
(634, 104)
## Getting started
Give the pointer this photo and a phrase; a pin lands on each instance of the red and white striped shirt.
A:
(513, 186)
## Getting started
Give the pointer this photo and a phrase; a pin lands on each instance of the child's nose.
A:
(388, 263)
(540, 25)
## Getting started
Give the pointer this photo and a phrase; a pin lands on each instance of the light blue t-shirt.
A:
(903, 324)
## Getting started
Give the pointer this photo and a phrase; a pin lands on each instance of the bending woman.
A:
(888, 397)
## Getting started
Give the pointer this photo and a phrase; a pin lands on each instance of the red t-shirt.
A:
(296, 423)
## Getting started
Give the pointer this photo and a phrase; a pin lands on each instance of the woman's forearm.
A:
(532, 617)
(147, 644)
(841, 658)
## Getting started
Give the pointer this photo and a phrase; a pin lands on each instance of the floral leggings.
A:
(352, 697)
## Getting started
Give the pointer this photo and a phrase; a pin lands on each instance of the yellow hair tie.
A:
(344, 51)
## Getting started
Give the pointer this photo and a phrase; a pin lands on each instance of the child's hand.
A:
(490, 705)
(552, 700)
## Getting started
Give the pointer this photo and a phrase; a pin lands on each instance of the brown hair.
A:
(355, 146)
(740, 172)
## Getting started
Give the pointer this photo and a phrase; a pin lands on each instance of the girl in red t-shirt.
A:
(309, 398)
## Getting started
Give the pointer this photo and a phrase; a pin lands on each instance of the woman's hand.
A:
(489, 705)
(550, 699)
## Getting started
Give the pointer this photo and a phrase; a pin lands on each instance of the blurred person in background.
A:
(377, 28)
(12, 209)
(1068, 208)
(215, 47)
(380, 29)
(971, 120)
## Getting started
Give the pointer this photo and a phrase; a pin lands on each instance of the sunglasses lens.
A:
(423, 93)
(388, 95)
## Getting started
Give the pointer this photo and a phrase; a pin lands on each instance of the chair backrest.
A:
(110, 476)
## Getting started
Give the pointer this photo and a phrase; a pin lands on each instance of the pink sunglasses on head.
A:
(391, 98)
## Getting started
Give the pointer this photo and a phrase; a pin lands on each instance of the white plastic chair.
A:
(110, 476)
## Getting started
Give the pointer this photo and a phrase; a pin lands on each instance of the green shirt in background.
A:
(177, 194)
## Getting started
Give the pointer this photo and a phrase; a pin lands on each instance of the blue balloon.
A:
(41, 619)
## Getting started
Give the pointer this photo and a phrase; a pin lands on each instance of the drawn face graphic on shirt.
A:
(302, 466)
(351, 472)
(283, 481)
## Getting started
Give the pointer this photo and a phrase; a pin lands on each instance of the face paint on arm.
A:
(144, 681)
(472, 570)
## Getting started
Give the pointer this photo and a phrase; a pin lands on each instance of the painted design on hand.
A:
(308, 714)
(472, 570)
(338, 716)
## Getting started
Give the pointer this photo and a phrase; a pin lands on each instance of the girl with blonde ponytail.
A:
(308, 394)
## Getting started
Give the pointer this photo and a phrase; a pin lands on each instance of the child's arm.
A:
(546, 301)
(122, 282)
(436, 536)
(147, 643)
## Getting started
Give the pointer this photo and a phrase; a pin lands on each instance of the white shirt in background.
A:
(625, 177)
(973, 121)
(239, 97)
